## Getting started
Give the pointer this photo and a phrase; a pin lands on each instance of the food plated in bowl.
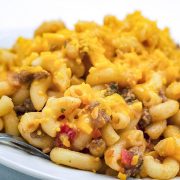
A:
(102, 98)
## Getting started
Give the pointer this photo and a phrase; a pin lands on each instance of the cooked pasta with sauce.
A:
(103, 98)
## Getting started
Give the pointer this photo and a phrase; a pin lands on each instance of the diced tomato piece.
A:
(61, 117)
(65, 129)
(126, 157)
(70, 132)
(96, 133)
(57, 141)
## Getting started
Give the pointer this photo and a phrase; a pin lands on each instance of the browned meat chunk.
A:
(93, 105)
(99, 116)
(38, 133)
(150, 143)
(162, 95)
(27, 106)
(128, 95)
(112, 88)
(145, 119)
(97, 147)
(22, 77)
(101, 119)
(133, 171)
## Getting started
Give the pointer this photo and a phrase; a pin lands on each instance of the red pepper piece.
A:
(65, 129)
(96, 134)
(126, 157)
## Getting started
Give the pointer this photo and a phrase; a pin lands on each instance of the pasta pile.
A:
(102, 98)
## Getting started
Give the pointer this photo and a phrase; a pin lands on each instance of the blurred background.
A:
(21, 17)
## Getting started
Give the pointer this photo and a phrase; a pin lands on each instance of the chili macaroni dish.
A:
(103, 98)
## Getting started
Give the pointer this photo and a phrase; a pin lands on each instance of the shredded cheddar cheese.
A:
(122, 176)
(100, 97)
(134, 160)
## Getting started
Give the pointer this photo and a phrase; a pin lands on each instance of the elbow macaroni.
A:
(171, 131)
(11, 122)
(29, 124)
(97, 98)
(132, 138)
(167, 170)
(69, 158)
(38, 92)
(164, 110)
(169, 147)
(6, 105)
(109, 135)
(55, 107)
(175, 119)
(156, 129)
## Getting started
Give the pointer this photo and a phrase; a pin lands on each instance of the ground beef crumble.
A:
(26, 77)
(112, 88)
(126, 93)
(97, 147)
(133, 171)
(93, 105)
(162, 95)
(27, 106)
(101, 116)
(145, 119)
(101, 119)
(36, 135)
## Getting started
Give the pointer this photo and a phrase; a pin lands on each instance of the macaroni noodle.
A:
(100, 98)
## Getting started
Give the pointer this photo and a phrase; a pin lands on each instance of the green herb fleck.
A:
(111, 89)
(62, 110)
(114, 86)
